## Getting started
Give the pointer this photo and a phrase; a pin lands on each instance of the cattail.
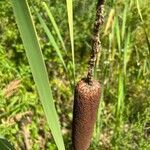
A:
(86, 104)
(87, 94)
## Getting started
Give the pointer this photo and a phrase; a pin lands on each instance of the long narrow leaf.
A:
(124, 21)
(51, 38)
(118, 35)
(120, 103)
(70, 21)
(33, 51)
(50, 15)
(139, 10)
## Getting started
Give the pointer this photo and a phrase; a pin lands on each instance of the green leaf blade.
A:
(70, 22)
(50, 15)
(34, 55)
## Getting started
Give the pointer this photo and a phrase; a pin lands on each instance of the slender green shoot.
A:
(139, 10)
(51, 39)
(70, 21)
(52, 19)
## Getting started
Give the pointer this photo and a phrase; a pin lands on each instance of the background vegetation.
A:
(123, 69)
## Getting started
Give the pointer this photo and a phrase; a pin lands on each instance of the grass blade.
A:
(33, 51)
(70, 21)
(124, 21)
(139, 10)
(50, 15)
(120, 103)
(51, 38)
(117, 30)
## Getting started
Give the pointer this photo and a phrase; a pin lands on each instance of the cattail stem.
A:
(95, 39)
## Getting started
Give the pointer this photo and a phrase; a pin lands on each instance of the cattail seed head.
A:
(86, 102)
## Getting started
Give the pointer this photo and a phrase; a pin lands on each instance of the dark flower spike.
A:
(87, 94)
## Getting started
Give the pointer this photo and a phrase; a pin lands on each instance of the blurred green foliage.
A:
(20, 109)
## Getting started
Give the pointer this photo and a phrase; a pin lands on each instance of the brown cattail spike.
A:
(87, 94)
(86, 104)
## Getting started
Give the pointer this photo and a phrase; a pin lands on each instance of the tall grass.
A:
(119, 48)
(59, 49)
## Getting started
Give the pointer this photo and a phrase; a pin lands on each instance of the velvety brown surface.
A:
(86, 102)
